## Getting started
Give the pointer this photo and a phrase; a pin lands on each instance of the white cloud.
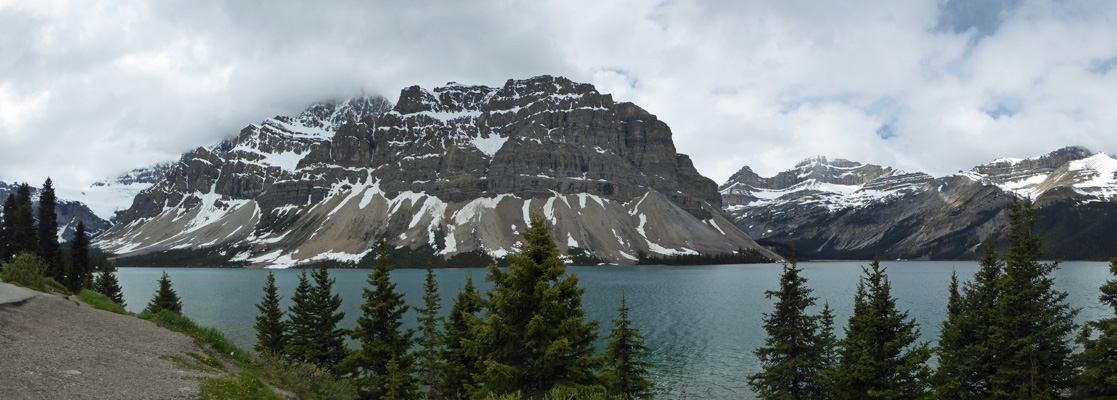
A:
(921, 85)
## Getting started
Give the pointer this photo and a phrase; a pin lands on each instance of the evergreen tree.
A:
(6, 227)
(48, 229)
(270, 329)
(107, 284)
(165, 298)
(1032, 322)
(315, 337)
(792, 353)
(536, 335)
(78, 275)
(381, 334)
(965, 361)
(829, 347)
(626, 359)
(880, 358)
(430, 335)
(458, 361)
(1099, 353)
(23, 235)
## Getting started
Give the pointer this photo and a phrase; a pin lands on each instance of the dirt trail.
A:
(57, 348)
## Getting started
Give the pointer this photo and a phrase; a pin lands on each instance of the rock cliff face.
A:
(458, 168)
(842, 209)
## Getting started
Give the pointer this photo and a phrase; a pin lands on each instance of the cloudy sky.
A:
(89, 89)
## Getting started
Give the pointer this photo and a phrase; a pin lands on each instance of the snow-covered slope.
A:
(458, 168)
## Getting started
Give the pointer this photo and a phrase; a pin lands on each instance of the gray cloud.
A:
(922, 85)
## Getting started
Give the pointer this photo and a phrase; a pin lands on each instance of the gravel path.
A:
(57, 348)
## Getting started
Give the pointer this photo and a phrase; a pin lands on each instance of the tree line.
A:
(29, 241)
(528, 336)
(1008, 335)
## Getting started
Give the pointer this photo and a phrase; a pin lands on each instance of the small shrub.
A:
(101, 302)
(26, 269)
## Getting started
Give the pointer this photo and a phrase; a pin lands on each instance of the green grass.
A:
(51, 283)
(305, 380)
(241, 386)
(101, 302)
(212, 337)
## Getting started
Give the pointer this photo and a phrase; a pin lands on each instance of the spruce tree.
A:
(829, 345)
(79, 271)
(165, 298)
(965, 360)
(1099, 352)
(315, 337)
(626, 359)
(24, 235)
(880, 357)
(458, 361)
(1032, 322)
(381, 335)
(792, 353)
(536, 335)
(48, 229)
(430, 338)
(107, 284)
(7, 226)
(270, 328)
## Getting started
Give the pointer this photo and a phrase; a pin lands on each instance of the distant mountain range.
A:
(455, 169)
(69, 212)
(845, 209)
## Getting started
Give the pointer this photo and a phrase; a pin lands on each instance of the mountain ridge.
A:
(916, 216)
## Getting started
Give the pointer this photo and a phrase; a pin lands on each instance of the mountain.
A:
(69, 213)
(456, 169)
(844, 209)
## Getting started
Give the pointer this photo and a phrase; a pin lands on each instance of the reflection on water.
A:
(702, 322)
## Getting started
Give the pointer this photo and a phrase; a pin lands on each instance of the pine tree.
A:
(270, 329)
(23, 235)
(79, 272)
(107, 284)
(1099, 353)
(792, 353)
(48, 229)
(880, 357)
(458, 361)
(1032, 322)
(536, 335)
(430, 339)
(626, 359)
(315, 337)
(965, 361)
(165, 298)
(381, 334)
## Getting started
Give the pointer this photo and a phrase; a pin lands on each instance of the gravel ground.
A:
(57, 348)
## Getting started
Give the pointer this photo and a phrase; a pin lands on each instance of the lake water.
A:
(702, 322)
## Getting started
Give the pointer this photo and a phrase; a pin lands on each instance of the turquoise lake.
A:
(702, 322)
